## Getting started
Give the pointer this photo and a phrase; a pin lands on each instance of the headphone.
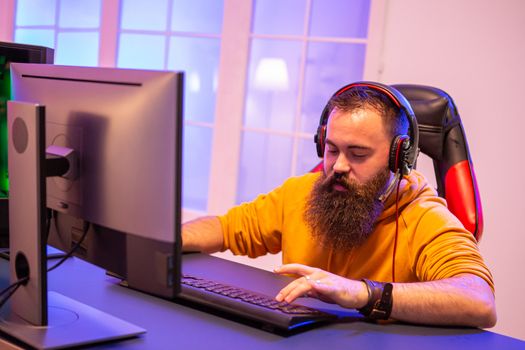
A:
(403, 149)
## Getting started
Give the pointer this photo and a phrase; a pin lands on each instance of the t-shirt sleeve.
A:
(255, 228)
(443, 248)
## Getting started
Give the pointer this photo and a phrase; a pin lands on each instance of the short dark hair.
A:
(362, 97)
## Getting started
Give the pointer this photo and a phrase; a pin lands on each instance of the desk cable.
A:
(7, 292)
(85, 231)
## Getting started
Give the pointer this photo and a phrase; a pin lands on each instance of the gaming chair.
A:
(442, 138)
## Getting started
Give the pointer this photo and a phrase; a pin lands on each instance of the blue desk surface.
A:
(171, 325)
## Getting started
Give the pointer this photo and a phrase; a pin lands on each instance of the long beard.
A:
(343, 220)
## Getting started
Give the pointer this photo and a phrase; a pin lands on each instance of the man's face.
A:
(357, 145)
(344, 205)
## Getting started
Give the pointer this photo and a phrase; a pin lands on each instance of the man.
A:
(344, 230)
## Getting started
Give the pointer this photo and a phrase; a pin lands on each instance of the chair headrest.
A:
(436, 115)
(443, 139)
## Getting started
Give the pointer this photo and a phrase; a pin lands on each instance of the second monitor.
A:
(126, 128)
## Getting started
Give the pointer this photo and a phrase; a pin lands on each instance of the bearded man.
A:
(357, 234)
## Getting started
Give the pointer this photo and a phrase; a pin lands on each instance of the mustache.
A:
(336, 179)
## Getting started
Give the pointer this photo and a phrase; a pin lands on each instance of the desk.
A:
(173, 326)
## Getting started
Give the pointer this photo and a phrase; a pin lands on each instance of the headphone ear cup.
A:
(319, 140)
(398, 159)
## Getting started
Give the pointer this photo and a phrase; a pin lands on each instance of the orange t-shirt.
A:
(432, 242)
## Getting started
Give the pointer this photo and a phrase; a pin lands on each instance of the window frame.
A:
(231, 91)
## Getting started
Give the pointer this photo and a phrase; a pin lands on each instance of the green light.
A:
(5, 94)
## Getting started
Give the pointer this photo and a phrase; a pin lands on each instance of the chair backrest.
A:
(442, 138)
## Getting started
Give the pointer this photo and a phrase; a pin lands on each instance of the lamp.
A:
(271, 74)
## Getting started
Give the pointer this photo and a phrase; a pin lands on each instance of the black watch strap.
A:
(380, 301)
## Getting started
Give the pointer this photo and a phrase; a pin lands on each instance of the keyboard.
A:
(263, 309)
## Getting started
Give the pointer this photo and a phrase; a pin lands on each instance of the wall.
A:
(474, 50)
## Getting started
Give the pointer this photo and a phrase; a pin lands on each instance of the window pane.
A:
(265, 164)
(306, 156)
(284, 17)
(35, 12)
(196, 167)
(201, 16)
(140, 14)
(141, 51)
(329, 67)
(272, 84)
(199, 59)
(43, 37)
(80, 49)
(340, 18)
(79, 14)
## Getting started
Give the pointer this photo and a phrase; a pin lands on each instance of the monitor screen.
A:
(12, 52)
(125, 127)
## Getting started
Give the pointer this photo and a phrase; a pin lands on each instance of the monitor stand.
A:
(40, 319)
(70, 323)
(52, 253)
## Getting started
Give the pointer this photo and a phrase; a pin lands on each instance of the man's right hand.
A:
(202, 235)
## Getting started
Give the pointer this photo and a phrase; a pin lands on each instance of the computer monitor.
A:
(125, 127)
(12, 52)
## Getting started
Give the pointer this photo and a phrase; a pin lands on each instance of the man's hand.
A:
(464, 300)
(322, 285)
(202, 235)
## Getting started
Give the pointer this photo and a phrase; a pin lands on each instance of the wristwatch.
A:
(380, 301)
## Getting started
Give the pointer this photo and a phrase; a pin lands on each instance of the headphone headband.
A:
(375, 86)
(410, 144)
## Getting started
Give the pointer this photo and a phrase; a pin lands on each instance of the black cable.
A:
(14, 284)
(55, 221)
(49, 217)
(10, 290)
(72, 250)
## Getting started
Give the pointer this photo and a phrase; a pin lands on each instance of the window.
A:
(157, 34)
(301, 52)
(258, 74)
(72, 27)
(180, 35)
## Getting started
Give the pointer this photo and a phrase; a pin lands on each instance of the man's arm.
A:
(464, 300)
(202, 235)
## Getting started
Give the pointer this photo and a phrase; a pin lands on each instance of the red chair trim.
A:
(463, 198)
